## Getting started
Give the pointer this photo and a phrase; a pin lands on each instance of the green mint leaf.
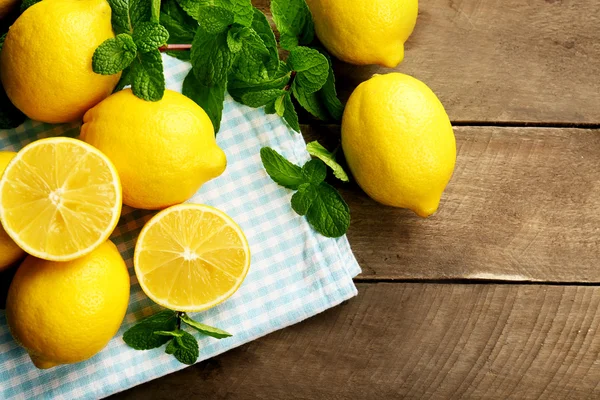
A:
(280, 105)
(328, 213)
(328, 95)
(236, 36)
(314, 171)
(205, 329)
(270, 107)
(261, 26)
(175, 333)
(184, 348)
(148, 79)
(149, 36)
(303, 198)
(261, 97)
(210, 98)
(252, 59)
(28, 3)
(316, 150)
(141, 336)
(126, 77)
(211, 57)
(114, 55)
(289, 114)
(214, 19)
(181, 27)
(294, 22)
(127, 14)
(238, 88)
(311, 102)
(281, 170)
(241, 9)
(155, 11)
(312, 68)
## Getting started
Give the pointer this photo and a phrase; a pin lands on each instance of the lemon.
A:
(46, 60)
(398, 142)
(365, 32)
(60, 198)
(7, 6)
(65, 312)
(9, 251)
(191, 257)
(164, 151)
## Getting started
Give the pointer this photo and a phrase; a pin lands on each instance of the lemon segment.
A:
(191, 257)
(60, 198)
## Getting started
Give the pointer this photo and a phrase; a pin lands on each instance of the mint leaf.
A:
(127, 14)
(149, 36)
(303, 198)
(126, 77)
(261, 26)
(181, 27)
(155, 11)
(211, 57)
(311, 66)
(314, 171)
(148, 80)
(238, 88)
(205, 329)
(210, 98)
(294, 22)
(261, 97)
(175, 333)
(281, 170)
(141, 336)
(214, 19)
(280, 105)
(311, 102)
(236, 36)
(28, 3)
(270, 107)
(114, 55)
(241, 9)
(251, 62)
(184, 348)
(289, 112)
(315, 149)
(328, 95)
(328, 213)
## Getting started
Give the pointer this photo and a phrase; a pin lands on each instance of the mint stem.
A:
(179, 315)
(171, 47)
(289, 84)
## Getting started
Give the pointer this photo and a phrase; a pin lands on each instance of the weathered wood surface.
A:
(415, 341)
(510, 61)
(523, 204)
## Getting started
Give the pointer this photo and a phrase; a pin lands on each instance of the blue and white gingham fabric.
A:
(295, 272)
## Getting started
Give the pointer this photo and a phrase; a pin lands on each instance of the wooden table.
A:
(496, 296)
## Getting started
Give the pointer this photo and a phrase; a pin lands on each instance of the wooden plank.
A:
(523, 204)
(415, 341)
(508, 61)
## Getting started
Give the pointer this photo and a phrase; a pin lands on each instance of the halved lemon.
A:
(191, 257)
(60, 199)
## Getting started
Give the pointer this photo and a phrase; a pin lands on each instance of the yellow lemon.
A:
(60, 198)
(46, 60)
(398, 142)
(191, 257)
(9, 251)
(6, 6)
(164, 151)
(65, 312)
(365, 32)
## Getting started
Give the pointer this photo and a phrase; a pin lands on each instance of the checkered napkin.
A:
(295, 272)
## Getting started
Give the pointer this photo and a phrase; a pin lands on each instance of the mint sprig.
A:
(315, 149)
(114, 55)
(324, 208)
(165, 328)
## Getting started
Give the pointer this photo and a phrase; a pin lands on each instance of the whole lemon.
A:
(398, 142)
(164, 150)
(6, 6)
(9, 251)
(365, 32)
(46, 60)
(65, 312)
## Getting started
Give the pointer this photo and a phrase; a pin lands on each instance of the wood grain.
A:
(523, 204)
(508, 61)
(415, 341)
